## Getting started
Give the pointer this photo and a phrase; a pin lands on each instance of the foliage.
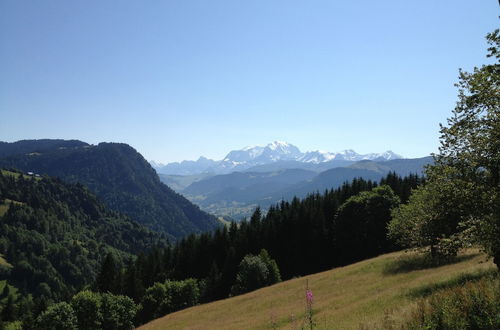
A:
(300, 235)
(37, 146)
(461, 203)
(360, 224)
(255, 272)
(154, 303)
(107, 279)
(168, 297)
(75, 230)
(118, 312)
(274, 275)
(426, 222)
(120, 177)
(472, 306)
(88, 310)
(57, 235)
(60, 316)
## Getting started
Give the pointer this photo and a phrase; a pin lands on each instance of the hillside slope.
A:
(54, 235)
(362, 294)
(37, 146)
(120, 177)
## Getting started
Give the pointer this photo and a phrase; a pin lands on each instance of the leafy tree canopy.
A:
(461, 202)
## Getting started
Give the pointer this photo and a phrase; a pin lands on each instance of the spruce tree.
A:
(106, 279)
(9, 310)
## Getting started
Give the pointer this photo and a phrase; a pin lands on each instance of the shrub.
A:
(473, 306)
(60, 316)
(118, 312)
(168, 297)
(255, 272)
(87, 307)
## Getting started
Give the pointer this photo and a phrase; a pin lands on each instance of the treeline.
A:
(305, 236)
(60, 239)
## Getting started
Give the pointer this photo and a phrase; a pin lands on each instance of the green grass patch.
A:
(411, 261)
(18, 174)
(359, 296)
(5, 205)
(453, 282)
(10, 173)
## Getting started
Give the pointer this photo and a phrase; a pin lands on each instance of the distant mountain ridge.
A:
(274, 153)
(236, 194)
(118, 175)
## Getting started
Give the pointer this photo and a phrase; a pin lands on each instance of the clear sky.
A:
(177, 79)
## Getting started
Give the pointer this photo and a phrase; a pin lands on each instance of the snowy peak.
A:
(244, 155)
(388, 155)
(347, 155)
(277, 151)
(282, 147)
(260, 155)
(316, 157)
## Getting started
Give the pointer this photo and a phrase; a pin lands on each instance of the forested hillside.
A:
(57, 238)
(37, 146)
(120, 177)
(55, 235)
(302, 236)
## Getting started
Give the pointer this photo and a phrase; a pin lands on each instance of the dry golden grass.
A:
(357, 296)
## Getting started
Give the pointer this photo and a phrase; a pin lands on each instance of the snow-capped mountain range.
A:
(274, 153)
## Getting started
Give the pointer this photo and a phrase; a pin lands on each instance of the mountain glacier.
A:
(275, 152)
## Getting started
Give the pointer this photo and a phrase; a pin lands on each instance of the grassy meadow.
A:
(367, 295)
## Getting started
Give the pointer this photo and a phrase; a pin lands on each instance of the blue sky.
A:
(180, 79)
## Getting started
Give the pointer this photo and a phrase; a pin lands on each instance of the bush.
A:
(60, 316)
(255, 272)
(473, 306)
(103, 311)
(87, 307)
(118, 312)
(163, 298)
(182, 294)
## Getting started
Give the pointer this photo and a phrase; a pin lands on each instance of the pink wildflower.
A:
(309, 297)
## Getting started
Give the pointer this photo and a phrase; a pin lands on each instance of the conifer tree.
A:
(106, 279)
(9, 311)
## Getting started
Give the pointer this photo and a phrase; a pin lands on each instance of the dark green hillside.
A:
(55, 235)
(124, 180)
(37, 146)
(249, 185)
